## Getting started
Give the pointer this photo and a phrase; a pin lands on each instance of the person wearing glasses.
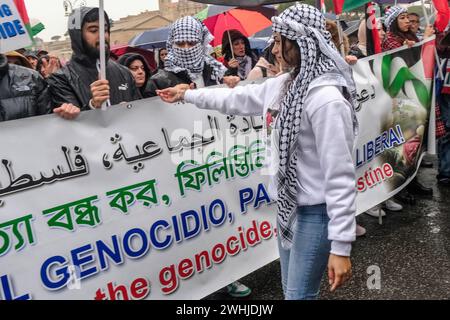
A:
(414, 25)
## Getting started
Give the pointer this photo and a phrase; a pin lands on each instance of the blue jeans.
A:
(444, 142)
(303, 266)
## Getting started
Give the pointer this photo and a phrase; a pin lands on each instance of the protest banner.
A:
(13, 32)
(151, 201)
(142, 201)
(394, 103)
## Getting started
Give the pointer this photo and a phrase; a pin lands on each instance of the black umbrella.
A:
(242, 3)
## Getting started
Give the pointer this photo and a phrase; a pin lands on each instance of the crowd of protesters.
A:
(36, 83)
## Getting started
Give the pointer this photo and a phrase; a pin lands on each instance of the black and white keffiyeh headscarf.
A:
(392, 14)
(305, 25)
(192, 59)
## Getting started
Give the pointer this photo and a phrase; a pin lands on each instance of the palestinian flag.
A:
(407, 73)
(373, 41)
(20, 4)
(36, 27)
(347, 5)
(33, 26)
(323, 7)
(443, 14)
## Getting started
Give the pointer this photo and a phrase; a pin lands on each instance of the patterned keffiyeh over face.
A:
(305, 25)
(192, 60)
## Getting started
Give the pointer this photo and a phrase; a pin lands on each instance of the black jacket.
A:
(127, 59)
(71, 84)
(23, 92)
(165, 79)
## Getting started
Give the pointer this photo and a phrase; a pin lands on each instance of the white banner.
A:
(148, 202)
(13, 32)
(395, 100)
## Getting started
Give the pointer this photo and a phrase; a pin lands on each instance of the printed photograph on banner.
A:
(394, 103)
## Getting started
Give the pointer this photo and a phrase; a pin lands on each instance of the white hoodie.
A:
(326, 173)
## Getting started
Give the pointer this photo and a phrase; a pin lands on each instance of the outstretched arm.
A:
(248, 100)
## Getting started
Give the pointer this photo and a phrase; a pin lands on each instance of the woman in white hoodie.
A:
(315, 124)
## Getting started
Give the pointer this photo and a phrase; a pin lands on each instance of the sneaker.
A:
(360, 231)
(391, 205)
(375, 212)
(238, 290)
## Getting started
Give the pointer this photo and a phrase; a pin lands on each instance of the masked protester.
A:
(188, 61)
(77, 83)
(310, 115)
(23, 92)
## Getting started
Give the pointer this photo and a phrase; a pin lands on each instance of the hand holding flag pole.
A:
(436, 56)
(106, 104)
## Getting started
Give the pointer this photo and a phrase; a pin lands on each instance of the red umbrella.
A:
(120, 50)
(248, 21)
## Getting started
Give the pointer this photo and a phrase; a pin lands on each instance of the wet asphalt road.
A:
(411, 249)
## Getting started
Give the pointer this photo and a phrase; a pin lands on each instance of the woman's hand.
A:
(351, 60)
(339, 271)
(233, 63)
(429, 31)
(174, 94)
(231, 81)
(50, 66)
(409, 43)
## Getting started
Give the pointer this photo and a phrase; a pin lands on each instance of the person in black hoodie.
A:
(77, 83)
(140, 70)
(188, 61)
(23, 92)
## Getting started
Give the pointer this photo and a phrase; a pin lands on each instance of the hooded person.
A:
(244, 59)
(77, 83)
(23, 92)
(140, 70)
(188, 60)
(310, 116)
(32, 58)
